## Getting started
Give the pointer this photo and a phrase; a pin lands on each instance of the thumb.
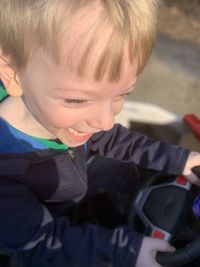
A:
(164, 246)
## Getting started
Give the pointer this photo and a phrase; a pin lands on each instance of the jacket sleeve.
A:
(121, 144)
(28, 230)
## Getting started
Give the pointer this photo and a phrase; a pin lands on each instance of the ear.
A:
(9, 77)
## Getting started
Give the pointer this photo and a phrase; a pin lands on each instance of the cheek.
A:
(60, 118)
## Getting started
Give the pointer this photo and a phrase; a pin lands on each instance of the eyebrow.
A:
(91, 92)
(85, 92)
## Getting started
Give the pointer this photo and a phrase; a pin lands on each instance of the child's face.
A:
(59, 104)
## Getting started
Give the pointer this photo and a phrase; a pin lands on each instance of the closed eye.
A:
(126, 94)
(75, 101)
(122, 97)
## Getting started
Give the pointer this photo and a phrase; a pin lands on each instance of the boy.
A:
(67, 67)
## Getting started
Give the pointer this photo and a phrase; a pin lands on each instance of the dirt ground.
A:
(180, 19)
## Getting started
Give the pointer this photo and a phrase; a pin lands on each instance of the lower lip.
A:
(79, 139)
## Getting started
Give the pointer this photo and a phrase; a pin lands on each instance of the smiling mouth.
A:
(78, 134)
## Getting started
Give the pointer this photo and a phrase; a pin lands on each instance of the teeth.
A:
(74, 132)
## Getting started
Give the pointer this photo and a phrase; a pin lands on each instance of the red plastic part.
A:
(158, 234)
(193, 123)
(181, 180)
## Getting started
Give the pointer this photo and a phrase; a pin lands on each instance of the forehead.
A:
(80, 35)
(91, 47)
(43, 63)
(42, 69)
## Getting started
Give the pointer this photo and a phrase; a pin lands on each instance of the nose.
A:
(104, 116)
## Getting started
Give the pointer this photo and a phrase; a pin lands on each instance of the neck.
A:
(14, 111)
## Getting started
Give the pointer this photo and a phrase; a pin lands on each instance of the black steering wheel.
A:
(163, 210)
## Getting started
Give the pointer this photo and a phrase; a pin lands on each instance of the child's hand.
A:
(193, 160)
(150, 246)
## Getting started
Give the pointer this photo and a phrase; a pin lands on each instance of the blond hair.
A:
(26, 25)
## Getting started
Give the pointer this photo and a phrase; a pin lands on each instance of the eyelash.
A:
(82, 101)
(125, 95)
(75, 101)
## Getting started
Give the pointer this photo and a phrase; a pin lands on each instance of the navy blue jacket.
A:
(34, 179)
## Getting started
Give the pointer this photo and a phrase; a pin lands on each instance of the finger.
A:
(164, 246)
(168, 248)
(193, 179)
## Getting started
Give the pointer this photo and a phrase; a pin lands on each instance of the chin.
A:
(73, 144)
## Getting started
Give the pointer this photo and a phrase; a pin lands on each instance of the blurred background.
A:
(172, 76)
(171, 79)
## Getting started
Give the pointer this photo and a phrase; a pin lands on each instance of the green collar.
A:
(51, 144)
(3, 93)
